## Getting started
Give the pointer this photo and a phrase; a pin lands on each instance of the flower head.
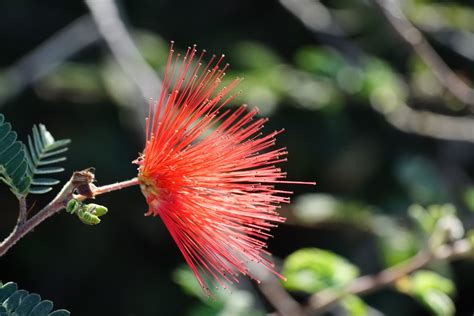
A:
(209, 172)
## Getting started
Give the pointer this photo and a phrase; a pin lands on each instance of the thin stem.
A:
(368, 284)
(24, 226)
(115, 186)
(284, 304)
(321, 301)
(23, 212)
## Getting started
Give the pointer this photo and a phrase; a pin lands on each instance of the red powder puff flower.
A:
(209, 172)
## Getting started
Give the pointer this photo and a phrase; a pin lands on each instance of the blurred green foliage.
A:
(334, 95)
(230, 301)
(312, 270)
(432, 290)
(354, 306)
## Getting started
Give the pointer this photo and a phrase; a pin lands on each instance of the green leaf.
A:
(6, 290)
(425, 220)
(470, 237)
(439, 223)
(44, 151)
(42, 309)
(449, 15)
(424, 280)
(354, 306)
(60, 312)
(14, 302)
(468, 197)
(184, 277)
(433, 291)
(55, 152)
(231, 301)
(254, 56)
(20, 166)
(396, 242)
(439, 303)
(44, 181)
(7, 140)
(311, 270)
(428, 218)
(40, 190)
(48, 170)
(13, 160)
(27, 304)
(51, 161)
(381, 86)
(321, 61)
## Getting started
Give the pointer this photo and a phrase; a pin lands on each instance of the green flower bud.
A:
(97, 209)
(87, 213)
(73, 206)
(87, 218)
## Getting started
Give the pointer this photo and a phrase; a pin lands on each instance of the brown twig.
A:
(281, 300)
(413, 37)
(22, 210)
(323, 300)
(24, 226)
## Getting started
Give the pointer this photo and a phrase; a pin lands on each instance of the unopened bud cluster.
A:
(88, 213)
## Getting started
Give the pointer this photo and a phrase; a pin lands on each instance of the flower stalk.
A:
(114, 186)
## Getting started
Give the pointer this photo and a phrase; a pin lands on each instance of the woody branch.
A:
(81, 182)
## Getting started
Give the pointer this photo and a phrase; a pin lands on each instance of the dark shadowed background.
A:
(345, 86)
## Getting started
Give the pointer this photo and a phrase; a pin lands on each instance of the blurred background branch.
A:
(44, 59)
(106, 16)
(114, 32)
(314, 15)
(431, 124)
(274, 292)
(322, 301)
(333, 76)
(413, 37)
(319, 19)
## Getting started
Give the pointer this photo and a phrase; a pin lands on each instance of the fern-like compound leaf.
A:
(28, 303)
(13, 160)
(15, 302)
(43, 152)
